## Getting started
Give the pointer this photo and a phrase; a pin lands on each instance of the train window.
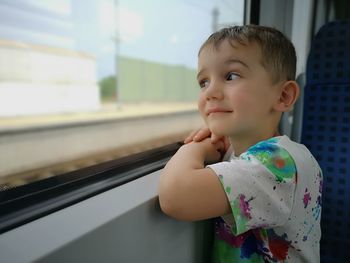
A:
(85, 82)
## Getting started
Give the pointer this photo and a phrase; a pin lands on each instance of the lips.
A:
(217, 110)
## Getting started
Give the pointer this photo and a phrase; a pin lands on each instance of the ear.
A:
(287, 97)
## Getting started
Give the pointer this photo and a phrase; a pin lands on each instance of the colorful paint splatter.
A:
(307, 198)
(274, 158)
(275, 191)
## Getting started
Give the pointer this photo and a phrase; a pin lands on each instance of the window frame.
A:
(29, 202)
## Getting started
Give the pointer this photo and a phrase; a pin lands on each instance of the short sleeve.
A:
(259, 185)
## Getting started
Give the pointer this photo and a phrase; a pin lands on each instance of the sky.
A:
(168, 32)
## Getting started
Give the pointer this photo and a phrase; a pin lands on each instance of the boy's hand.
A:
(203, 133)
(210, 152)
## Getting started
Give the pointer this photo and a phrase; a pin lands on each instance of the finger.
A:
(189, 138)
(202, 134)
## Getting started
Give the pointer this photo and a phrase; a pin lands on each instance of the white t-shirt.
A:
(274, 189)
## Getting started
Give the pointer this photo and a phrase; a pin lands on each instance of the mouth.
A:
(217, 110)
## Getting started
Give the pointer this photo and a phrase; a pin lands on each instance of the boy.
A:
(266, 191)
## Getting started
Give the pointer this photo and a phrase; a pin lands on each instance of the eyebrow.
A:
(227, 62)
(234, 61)
(200, 73)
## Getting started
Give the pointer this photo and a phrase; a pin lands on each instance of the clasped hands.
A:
(212, 146)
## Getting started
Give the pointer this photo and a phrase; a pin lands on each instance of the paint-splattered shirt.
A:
(274, 189)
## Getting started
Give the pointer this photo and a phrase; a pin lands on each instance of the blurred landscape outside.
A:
(65, 62)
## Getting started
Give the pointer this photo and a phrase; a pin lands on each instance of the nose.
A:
(214, 91)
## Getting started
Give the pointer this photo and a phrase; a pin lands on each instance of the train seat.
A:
(325, 131)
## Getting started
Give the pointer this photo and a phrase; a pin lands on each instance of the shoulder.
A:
(274, 154)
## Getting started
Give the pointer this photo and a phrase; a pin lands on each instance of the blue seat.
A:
(326, 132)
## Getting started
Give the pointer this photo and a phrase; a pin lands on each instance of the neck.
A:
(241, 144)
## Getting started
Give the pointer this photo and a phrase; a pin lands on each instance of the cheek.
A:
(246, 106)
(201, 104)
(241, 100)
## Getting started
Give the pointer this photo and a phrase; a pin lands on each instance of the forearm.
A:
(176, 174)
(182, 179)
(188, 157)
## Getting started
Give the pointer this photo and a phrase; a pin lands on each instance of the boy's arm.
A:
(188, 190)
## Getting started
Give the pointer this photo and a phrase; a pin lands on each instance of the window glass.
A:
(82, 82)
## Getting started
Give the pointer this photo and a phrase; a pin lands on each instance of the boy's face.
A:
(237, 93)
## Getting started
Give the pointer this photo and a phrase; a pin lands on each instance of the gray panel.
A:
(277, 14)
(123, 224)
(143, 234)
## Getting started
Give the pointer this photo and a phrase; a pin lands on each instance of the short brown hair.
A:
(278, 53)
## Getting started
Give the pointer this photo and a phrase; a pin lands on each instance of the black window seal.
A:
(29, 202)
(254, 12)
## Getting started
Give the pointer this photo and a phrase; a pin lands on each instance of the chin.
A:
(218, 131)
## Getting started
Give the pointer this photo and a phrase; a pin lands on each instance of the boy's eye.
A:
(232, 76)
(204, 83)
